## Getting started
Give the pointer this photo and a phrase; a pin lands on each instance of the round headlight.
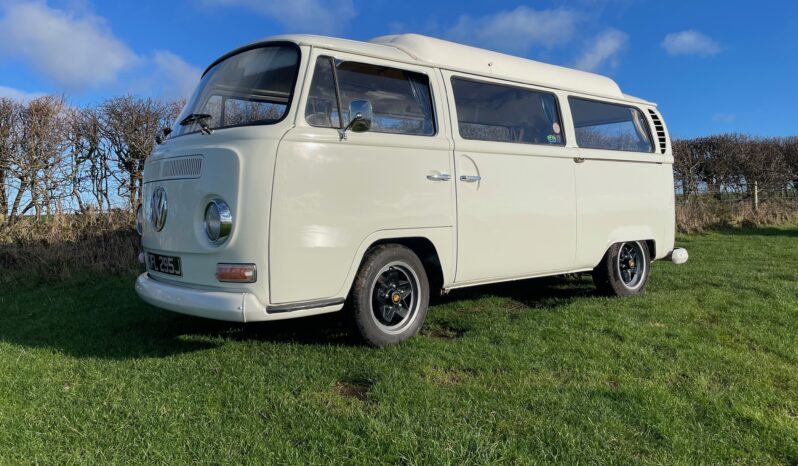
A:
(139, 220)
(218, 221)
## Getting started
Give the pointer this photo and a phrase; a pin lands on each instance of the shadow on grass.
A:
(536, 293)
(790, 232)
(101, 317)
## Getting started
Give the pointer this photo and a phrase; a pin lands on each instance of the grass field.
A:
(702, 369)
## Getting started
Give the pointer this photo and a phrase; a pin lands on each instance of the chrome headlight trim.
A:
(218, 221)
(139, 220)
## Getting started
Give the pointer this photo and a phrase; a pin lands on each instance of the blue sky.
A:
(726, 66)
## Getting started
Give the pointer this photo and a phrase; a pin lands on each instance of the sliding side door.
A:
(515, 181)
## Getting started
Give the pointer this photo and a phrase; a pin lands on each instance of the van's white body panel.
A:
(307, 205)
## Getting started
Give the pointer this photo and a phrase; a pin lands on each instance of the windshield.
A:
(253, 87)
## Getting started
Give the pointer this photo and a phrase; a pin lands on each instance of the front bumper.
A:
(220, 305)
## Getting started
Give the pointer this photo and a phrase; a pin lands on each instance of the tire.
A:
(390, 296)
(624, 269)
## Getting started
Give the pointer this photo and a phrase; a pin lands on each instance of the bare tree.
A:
(41, 147)
(9, 125)
(129, 125)
(89, 159)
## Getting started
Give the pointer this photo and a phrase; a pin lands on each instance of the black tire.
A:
(391, 280)
(624, 269)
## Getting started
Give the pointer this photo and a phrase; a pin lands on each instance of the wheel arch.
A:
(643, 233)
(433, 246)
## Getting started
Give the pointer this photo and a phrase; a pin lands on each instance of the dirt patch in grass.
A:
(445, 331)
(356, 383)
(358, 391)
(448, 376)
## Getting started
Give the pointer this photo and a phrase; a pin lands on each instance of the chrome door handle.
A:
(470, 178)
(439, 177)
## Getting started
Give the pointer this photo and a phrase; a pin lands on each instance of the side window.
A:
(401, 100)
(322, 106)
(494, 112)
(602, 125)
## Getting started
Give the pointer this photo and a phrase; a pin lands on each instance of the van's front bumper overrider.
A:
(220, 305)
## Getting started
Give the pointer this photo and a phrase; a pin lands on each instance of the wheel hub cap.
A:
(630, 267)
(395, 297)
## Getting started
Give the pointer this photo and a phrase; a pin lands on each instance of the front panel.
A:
(330, 193)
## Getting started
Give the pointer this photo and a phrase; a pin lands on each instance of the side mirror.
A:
(160, 138)
(360, 116)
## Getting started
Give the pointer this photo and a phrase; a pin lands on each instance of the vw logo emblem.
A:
(158, 208)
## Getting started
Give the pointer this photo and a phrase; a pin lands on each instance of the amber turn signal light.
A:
(236, 273)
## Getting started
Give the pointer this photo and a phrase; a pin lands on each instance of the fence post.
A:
(756, 196)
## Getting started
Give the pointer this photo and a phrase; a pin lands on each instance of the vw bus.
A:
(310, 174)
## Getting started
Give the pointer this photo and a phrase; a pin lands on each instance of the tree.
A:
(9, 125)
(129, 125)
(89, 158)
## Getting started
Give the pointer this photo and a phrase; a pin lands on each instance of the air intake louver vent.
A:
(658, 126)
(182, 167)
(178, 168)
(152, 171)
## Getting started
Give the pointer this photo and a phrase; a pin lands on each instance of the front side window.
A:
(602, 125)
(495, 112)
(401, 100)
(253, 87)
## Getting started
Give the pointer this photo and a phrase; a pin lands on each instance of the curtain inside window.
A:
(419, 85)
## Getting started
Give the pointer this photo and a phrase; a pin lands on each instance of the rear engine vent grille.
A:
(660, 128)
(181, 167)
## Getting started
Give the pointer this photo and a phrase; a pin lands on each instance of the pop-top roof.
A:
(415, 48)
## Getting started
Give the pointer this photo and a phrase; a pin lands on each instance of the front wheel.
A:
(390, 295)
(624, 269)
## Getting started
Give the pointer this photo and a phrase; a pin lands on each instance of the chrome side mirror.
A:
(360, 116)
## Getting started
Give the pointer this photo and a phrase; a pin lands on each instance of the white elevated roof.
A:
(418, 49)
(450, 55)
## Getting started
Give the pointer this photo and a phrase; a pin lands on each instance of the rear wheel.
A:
(624, 269)
(390, 295)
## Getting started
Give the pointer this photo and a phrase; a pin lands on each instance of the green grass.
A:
(702, 369)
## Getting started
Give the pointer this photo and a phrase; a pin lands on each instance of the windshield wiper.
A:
(198, 118)
(194, 117)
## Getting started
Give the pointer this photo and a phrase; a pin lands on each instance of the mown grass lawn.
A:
(702, 369)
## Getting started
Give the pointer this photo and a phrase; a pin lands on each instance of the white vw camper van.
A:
(310, 173)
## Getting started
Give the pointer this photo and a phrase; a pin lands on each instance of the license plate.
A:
(165, 264)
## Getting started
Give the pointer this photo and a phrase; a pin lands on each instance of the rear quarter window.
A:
(604, 125)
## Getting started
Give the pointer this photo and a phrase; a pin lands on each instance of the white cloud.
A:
(605, 49)
(516, 31)
(74, 52)
(165, 75)
(690, 42)
(314, 16)
(178, 77)
(18, 95)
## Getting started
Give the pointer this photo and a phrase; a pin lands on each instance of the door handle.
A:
(470, 178)
(439, 177)
(579, 159)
